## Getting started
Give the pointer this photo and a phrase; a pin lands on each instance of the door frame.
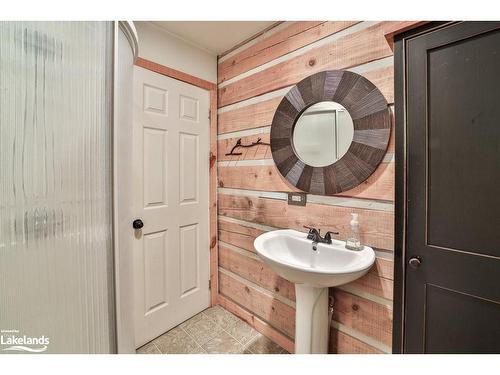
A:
(212, 195)
(400, 211)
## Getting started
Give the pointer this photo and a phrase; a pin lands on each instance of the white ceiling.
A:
(214, 36)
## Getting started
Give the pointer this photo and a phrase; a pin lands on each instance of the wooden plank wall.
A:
(252, 195)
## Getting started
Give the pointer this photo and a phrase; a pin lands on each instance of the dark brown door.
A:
(452, 302)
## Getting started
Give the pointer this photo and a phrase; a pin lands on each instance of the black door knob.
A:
(137, 224)
(415, 262)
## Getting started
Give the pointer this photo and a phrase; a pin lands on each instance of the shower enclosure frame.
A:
(125, 52)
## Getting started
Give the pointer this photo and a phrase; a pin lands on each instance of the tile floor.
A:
(213, 331)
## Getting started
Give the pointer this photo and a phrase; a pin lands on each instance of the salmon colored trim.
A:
(173, 73)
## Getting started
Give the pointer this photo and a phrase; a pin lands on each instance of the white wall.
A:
(164, 48)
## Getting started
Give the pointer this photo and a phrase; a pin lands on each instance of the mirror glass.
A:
(323, 134)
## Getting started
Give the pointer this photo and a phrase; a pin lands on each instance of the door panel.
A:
(171, 254)
(189, 145)
(155, 270)
(471, 113)
(189, 108)
(189, 258)
(155, 100)
(453, 311)
(155, 167)
(452, 302)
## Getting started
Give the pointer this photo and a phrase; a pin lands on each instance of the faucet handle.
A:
(312, 230)
(313, 234)
(328, 236)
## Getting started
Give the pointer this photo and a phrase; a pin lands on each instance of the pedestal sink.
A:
(290, 254)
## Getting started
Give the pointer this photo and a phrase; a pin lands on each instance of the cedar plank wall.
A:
(252, 80)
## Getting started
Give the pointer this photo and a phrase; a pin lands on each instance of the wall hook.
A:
(238, 144)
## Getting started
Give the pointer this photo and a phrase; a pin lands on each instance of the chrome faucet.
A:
(315, 236)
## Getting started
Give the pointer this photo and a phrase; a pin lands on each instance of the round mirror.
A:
(317, 145)
(323, 134)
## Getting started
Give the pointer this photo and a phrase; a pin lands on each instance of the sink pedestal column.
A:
(311, 320)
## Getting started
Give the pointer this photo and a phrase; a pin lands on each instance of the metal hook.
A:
(238, 144)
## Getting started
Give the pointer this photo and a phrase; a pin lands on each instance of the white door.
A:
(171, 170)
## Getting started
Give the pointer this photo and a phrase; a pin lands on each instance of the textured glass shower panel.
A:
(56, 184)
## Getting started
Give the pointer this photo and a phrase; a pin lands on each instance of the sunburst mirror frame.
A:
(372, 127)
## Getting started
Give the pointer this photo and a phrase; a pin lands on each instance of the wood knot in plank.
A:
(212, 159)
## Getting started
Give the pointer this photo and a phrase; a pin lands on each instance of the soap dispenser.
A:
(352, 242)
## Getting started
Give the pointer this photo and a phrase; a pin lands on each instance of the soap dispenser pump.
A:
(352, 242)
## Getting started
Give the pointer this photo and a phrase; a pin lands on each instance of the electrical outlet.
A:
(297, 199)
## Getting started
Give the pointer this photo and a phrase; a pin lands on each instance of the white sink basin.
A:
(291, 255)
